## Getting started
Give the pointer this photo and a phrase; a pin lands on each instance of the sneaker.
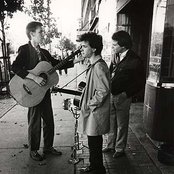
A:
(52, 151)
(36, 156)
(107, 149)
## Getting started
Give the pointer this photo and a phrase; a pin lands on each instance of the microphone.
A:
(79, 54)
(78, 51)
(74, 53)
(69, 57)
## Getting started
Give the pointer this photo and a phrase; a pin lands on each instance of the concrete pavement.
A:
(14, 152)
(141, 155)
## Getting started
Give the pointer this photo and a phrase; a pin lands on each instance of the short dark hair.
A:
(95, 41)
(123, 38)
(31, 27)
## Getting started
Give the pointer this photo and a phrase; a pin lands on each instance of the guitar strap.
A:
(90, 66)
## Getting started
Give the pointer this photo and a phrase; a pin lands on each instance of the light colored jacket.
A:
(95, 101)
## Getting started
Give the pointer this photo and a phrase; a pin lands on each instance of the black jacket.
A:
(128, 75)
(27, 59)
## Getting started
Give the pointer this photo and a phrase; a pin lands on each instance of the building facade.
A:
(151, 26)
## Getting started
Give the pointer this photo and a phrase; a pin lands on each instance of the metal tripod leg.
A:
(75, 147)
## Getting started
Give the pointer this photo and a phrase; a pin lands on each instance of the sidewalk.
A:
(141, 156)
(14, 152)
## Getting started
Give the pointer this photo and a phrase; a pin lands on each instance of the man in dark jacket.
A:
(29, 55)
(127, 78)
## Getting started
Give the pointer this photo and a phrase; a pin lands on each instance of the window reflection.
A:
(161, 63)
(157, 40)
(167, 64)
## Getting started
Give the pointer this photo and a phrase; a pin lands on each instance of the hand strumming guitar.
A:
(39, 80)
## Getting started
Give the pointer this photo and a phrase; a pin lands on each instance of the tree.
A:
(7, 8)
(41, 12)
(66, 44)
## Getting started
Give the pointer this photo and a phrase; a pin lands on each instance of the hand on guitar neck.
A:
(78, 59)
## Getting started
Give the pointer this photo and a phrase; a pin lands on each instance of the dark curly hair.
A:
(95, 41)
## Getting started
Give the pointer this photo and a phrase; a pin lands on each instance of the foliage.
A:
(67, 44)
(41, 12)
(7, 8)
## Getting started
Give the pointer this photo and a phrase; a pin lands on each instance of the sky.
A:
(66, 13)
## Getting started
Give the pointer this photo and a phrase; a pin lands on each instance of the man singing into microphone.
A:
(95, 101)
(29, 55)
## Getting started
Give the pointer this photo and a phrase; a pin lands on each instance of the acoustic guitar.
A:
(27, 92)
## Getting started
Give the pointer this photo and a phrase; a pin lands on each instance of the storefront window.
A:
(161, 63)
(123, 22)
(157, 40)
(167, 62)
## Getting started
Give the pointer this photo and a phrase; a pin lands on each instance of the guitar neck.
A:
(67, 91)
(64, 61)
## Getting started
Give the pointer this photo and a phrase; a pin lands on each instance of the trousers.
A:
(119, 121)
(95, 151)
(42, 111)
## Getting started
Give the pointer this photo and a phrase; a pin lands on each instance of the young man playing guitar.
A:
(29, 55)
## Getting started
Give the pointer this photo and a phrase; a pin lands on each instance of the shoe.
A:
(52, 151)
(118, 154)
(91, 170)
(36, 156)
(107, 149)
(86, 169)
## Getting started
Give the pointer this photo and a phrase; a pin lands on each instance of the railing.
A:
(5, 68)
